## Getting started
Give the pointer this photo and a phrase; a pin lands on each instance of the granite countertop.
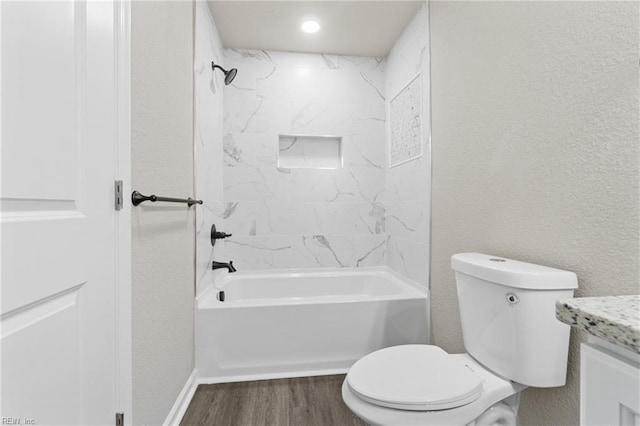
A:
(615, 319)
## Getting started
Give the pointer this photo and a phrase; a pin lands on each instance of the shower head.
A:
(228, 75)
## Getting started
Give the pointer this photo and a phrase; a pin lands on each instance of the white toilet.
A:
(513, 339)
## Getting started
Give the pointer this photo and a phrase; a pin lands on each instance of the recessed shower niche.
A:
(309, 152)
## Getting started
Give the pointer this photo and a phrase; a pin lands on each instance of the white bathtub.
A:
(286, 323)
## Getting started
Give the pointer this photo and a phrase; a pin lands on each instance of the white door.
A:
(58, 321)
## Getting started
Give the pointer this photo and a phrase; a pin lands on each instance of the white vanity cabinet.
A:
(610, 360)
(609, 385)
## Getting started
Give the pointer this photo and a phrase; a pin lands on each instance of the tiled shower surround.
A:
(363, 214)
(302, 217)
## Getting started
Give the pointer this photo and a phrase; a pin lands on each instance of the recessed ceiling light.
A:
(310, 27)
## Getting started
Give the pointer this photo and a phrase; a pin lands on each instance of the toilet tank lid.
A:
(513, 273)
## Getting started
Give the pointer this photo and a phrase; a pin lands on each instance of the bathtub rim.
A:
(207, 297)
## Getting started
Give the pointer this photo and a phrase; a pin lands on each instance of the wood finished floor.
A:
(302, 401)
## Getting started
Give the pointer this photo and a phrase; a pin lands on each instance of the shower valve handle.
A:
(216, 235)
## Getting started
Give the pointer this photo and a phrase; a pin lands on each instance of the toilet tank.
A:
(509, 320)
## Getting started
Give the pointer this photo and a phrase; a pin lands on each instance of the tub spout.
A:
(219, 265)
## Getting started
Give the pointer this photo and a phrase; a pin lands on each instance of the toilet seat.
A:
(414, 377)
(494, 390)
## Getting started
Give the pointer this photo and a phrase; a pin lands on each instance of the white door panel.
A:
(58, 160)
(40, 374)
(34, 251)
(41, 65)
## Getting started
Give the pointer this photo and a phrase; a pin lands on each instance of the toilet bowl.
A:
(513, 340)
(423, 385)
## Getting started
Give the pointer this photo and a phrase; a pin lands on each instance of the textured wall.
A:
(535, 153)
(162, 234)
(296, 217)
(208, 140)
(407, 194)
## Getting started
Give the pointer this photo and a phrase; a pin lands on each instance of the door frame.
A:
(122, 171)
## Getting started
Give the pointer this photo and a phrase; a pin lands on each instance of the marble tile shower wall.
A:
(407, 198)
(300, 218)
(208, 134)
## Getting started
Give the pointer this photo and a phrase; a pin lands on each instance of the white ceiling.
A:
(361, 28)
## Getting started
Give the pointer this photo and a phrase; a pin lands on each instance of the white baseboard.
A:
(182, 403)
(270, 376)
